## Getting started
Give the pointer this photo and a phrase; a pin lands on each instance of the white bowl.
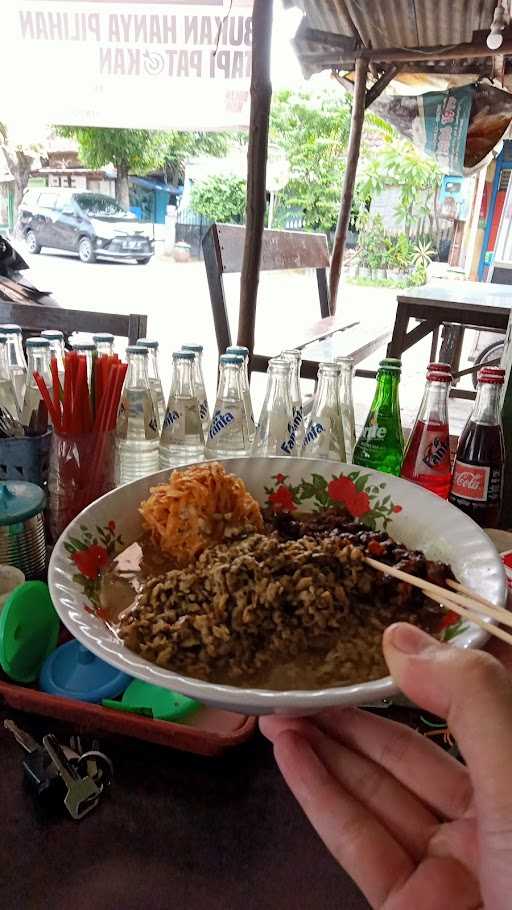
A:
(413, 516)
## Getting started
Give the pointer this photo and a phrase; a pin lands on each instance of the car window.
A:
(47, 201)
(99, 206)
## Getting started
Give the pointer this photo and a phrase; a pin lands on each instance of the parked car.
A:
(90, 224)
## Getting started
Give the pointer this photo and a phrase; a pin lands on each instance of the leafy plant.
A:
(422, 254)
(220, 199)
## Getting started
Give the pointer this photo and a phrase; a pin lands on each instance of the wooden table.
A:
(177, 832)
(462, 304)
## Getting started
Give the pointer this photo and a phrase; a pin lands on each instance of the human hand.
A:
(414, 828)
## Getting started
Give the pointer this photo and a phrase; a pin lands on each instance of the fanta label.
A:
(436, 454)
(220, 422)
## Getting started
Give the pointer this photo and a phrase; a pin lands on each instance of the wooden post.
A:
(261, 94)
(356, 128)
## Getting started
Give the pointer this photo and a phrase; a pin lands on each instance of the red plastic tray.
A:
(94, 718)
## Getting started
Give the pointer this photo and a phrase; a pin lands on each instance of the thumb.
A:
(473, 692)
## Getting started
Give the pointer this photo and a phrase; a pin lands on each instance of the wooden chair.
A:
(35, 317)
(282, 250)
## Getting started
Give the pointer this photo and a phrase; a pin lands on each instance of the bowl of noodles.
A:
(244, 584)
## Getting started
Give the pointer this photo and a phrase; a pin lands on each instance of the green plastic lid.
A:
(29, 630)
(153, 701)
(19, 501)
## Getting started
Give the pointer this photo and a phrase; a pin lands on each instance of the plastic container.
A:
(70, 485)
(26, 458)
(22, 536)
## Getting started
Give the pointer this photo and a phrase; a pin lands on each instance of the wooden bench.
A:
(33, 318)
(282, 251)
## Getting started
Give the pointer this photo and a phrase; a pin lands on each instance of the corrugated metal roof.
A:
(387, 23)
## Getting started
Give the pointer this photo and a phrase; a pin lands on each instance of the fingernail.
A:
(408, 639)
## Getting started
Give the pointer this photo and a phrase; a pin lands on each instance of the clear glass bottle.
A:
(16, 360)
(8, 404)
(104, 342)
(325, 436)
(88, 350)
(56, 339)
(137, 436)
(228, 435)
(275, 434)
(346, 365)
(34, 415)
(155, 383)
(295, 358)
(200, 387)
(182, 438)
(246, 386)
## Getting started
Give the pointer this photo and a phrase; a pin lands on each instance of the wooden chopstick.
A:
(498, 612)
(466, 606)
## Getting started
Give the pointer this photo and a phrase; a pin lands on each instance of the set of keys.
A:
(57, 773)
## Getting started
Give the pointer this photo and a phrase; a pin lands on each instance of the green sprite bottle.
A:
(381, 443)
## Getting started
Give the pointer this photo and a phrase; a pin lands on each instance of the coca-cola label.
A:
(471, 481)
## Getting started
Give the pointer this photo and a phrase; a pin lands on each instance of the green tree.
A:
(399, 163)
(313, 130)
(220, 199)
(19, 156)
(131, 151)
(178, 147)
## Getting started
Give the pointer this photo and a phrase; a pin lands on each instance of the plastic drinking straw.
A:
(41, 385)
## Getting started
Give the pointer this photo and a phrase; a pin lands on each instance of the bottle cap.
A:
(29, 630)
(440, 367)
(183, 355)
(148, 343)
(52, 334)
(391, 365)
(37, 342)
(238, 349)
(493, 371)
(391, 362)
(74, 672)
(136, 349)
(10, 328)
(83, 345)
(231, 358)
(494, 377)
(153, 701)
(20, 500)
(196, 348)
(434, 376)
(104, 336)
(328, 366)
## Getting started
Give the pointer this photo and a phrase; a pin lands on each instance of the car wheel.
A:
(86, 250)
(144, 261)
(32, 244)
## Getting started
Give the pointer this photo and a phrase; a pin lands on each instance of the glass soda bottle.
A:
(8, 403)
(104, 342)
(88, 350)
(294, 357)
(246, 386)
(275, 434)
(427, 454)
(34, 415)
(56, 339)
(16, 360)
(155, 383)
(199, 384)
(228, 434)
(325, 437)
(478, 472)
(346, 365)
(137, 436)
(381, 443)
(182, 439)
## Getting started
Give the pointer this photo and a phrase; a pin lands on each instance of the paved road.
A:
(175, 298)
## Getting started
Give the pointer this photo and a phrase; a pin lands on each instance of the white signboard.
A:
(169, 64)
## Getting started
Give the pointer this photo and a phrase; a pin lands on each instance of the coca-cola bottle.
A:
(477, 483)
(427, 454)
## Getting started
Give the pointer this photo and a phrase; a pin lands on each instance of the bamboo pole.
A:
(356, 128)
(261, 93)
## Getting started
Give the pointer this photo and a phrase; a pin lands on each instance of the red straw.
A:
(43, 388)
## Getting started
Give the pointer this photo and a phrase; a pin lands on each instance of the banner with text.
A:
(165, 64)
